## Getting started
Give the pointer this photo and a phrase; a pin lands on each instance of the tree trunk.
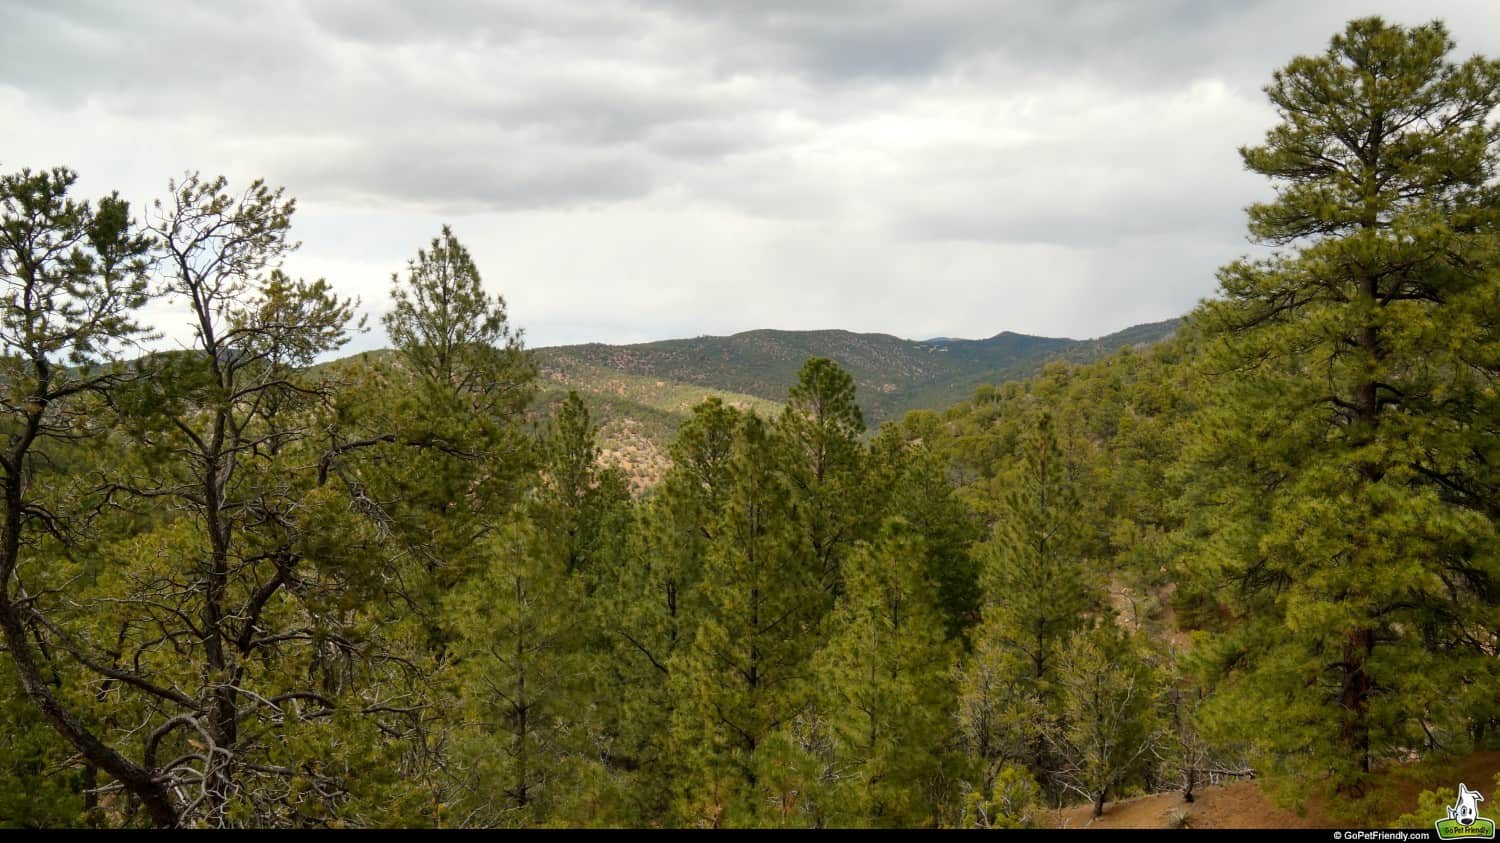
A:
(135, 778)
(1355, 698)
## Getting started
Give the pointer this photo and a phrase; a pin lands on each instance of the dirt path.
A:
(1243, 805)
(1239, 805)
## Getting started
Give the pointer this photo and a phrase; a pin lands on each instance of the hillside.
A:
(638, 394)
(637, 415)
(893, 375)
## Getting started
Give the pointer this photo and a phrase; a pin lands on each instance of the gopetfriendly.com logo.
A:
(1463, 821)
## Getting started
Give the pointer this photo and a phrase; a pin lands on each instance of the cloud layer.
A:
(634, 170)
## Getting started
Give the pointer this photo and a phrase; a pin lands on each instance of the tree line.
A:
(241, 585)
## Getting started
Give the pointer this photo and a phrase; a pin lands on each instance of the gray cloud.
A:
(862, 40)
(636, 169)
(516, 175)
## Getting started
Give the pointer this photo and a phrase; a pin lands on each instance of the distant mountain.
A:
(639, 394)
(893, 375)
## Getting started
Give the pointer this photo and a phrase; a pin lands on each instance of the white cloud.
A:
(627, 171)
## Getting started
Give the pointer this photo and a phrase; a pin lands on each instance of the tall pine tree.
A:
(1344, 502)
(886, 687)
(745, 675)
(821, 426)
(650, 603)
(1039, 590)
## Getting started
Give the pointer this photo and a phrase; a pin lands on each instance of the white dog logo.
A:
(1466, 808)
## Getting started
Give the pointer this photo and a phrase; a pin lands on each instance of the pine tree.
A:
(454, 333)
(822, 425)
(219, 588)
(886, 687)
(584, 509)
(1108, 728)
(432, 442)
(745, 675)
(584, 501)
(524, 681)
(1038, 591)
(72, 276)
(542, 728)
(1344, 457)
(650, 604)
(1013, 801)
(912, 480)
(261, 565)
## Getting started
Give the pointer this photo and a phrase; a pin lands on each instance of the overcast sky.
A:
(626, 171)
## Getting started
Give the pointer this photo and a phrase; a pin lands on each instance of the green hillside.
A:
(637, 415)
(638, 394)
(893, 375)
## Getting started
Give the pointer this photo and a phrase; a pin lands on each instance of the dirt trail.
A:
(1243, 805)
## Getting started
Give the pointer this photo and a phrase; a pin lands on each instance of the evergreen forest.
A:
(250, 580)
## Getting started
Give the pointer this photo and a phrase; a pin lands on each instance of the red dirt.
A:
(1239, 805)
(1243, 805)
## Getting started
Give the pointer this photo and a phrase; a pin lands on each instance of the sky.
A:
(630, 171)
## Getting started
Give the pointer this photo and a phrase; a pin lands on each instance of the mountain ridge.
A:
(638, 393)
(893, 375)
